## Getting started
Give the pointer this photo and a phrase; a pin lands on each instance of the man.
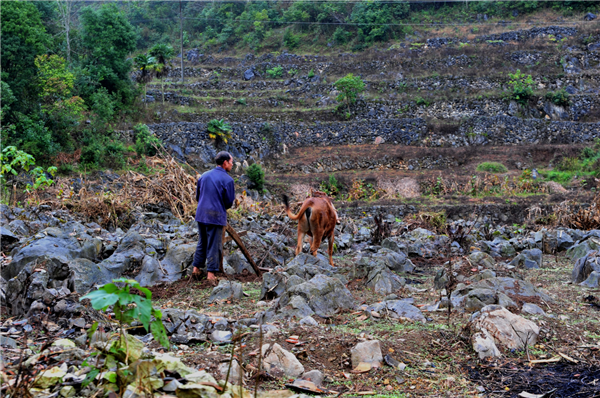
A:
(215, 193)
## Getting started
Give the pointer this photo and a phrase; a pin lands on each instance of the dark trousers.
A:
(210, 248)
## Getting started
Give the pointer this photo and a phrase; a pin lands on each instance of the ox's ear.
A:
(286, 200)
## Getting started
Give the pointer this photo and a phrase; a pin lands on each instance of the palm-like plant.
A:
(147, 66)
(219, 130)
(163, 54)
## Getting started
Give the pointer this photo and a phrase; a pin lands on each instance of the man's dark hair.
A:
(222, 157)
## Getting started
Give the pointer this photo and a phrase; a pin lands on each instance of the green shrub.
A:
(331, 186)
(219, 130)
(349, 87)
(91, 155)
(492, 167)
(145, 143)
(241, 101)
(275, 72)
(420, 101)
(522, 86)
(256, 175)
(65, 169)
(569, 164)
(113, 154)
(587, 153)
(290, 39)
(311, 73)
(560, 97)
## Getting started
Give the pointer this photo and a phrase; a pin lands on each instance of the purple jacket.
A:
(215, 193)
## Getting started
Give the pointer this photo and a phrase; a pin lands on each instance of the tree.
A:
(23, 38)
(108, 39)
(65, 10)
(63, 110)
(147, 67)
(349, 87)
(163, 54)
(522, 86)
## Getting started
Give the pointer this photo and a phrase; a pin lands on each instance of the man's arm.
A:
(229, 194)
(198, 189)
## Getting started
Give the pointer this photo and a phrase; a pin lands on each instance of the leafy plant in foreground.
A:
(128, 306)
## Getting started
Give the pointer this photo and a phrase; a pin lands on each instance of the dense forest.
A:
(67, 66)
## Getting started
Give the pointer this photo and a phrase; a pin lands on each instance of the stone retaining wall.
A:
(191, 141)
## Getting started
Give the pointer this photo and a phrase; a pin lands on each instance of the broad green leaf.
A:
(146, 291)
(101, 300)
(160, 334)
(145, 310)
(125, 298)
(89, 377)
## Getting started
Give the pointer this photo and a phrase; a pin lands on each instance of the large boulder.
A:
(226, 290)
(482, 259)
(367, 352)
(55, 244)
(178, 259)
(128, 255)
(585, 267)
(7, 238)
(403, 308)
(278, 361)
(506, 329)
(323, 294)
(582, 248)
(495, 291)
(529, 259)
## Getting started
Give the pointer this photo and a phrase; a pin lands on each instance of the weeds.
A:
(492, 167)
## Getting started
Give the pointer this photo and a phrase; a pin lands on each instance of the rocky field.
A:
(449, 281)
(413, 307)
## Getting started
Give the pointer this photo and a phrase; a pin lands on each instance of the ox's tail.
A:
(304, 209)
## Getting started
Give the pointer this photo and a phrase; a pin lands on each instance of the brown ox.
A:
(317, 218)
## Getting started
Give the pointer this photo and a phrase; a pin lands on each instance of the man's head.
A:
(224, 160)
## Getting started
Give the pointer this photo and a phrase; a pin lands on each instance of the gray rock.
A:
(308, 321)
(324, 295)
(564, 241)
(7, 237)
(484, 345)
(585, 266)
(248, 74)
(593, 280)
(226, 290)
(589, 16)
(507, 329)
(279, 362)
(178, 259)
(234, 372)
(8, 342)
(532, 309)
(87, 274)
(368, 352)
(315, 376)
(405, 309)
(482, 259)
(221, 336)
(484, 290)
(581, 249)
(128, 255)
(150, 273)
(239, 264)
(52, 243)
(529, 259)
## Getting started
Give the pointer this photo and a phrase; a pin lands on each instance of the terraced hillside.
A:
(435, 108)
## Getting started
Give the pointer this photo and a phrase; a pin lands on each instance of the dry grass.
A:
(399, 187)
(300, 191)
(171, 187)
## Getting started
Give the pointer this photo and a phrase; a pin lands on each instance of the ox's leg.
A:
(301, 235)
(316, 242)
(331, 249)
